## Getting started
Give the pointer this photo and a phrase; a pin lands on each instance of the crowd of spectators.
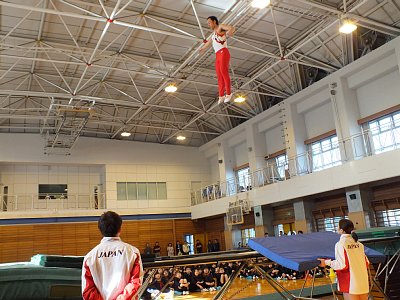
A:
(181, 249)
(202, 278)
(210, 278)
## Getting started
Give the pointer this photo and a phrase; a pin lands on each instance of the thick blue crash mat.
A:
(300, 252)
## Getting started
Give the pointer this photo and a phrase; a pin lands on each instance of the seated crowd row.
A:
(209, 278)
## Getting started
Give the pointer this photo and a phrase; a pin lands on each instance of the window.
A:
(325, 153)
(243, 177)
(279, 230)
(247, 234)
(190, 240)
(53, 191)
(141, 191)
(386, 218)
(385, 133)
(329, 224)
(277, 166)
(282, 164)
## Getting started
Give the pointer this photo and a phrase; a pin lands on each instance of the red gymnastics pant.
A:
(222, 67)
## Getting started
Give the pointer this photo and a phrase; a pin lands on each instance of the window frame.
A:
(246, 234)
(388, 217)
(246, 179)
(376, 134)
(322, 151)
(158, 186)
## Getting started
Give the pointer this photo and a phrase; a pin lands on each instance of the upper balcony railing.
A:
(356, 147)
(32, 202)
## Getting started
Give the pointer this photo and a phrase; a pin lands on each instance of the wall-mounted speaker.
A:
(258, 214)
(220, 161)
(353, 196)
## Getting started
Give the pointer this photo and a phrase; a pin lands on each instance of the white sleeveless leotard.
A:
(218, 43)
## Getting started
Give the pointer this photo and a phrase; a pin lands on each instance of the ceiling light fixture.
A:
(181, 137)
(347, 27)
(239, 99)
(171, 88)
(260, 3)
(125, 133)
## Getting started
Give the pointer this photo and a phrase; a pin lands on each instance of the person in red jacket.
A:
(350, 263)
(113, 269)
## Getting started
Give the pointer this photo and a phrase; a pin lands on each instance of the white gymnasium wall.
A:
(177, 177)
(371, 83)
(23, 184)
(379, 94)
(119, 161)
(319, 120)
(214, 167)
(241, 154)
(275, 140)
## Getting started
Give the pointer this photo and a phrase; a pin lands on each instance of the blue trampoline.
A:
(300, 252)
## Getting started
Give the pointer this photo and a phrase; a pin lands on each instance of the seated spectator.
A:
(188, 274)
(181, 286)
(156, 285)
(209, 282)
(222, 278)
(230, 269)
(300, 232)
(198, 280)
(165, 277)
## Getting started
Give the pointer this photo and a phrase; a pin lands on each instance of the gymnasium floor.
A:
(243, 288)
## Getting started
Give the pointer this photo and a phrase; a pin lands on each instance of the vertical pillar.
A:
(258, 221)
(398, 54)
(256, 145)
(346, 113)
(358, 201)
(294, 129)
(228, 236)
(303, 216)
(226, 165)
(263, 221)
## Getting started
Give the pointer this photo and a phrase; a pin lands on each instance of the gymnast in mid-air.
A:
(222, 56)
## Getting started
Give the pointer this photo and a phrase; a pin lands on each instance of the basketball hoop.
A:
(234, 214)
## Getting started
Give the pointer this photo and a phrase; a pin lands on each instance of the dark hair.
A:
(213, 18)
(348, 227)
(110, 224)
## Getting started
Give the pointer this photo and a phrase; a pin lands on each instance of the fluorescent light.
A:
(125, 133)
(347, 27)
(181, 138)
(171, 88)
(239, 99)
(260, 3)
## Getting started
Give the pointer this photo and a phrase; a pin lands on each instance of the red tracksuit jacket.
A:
(112, 271)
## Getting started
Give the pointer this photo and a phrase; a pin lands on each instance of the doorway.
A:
(5, 198)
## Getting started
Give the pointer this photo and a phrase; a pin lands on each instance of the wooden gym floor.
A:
(243, 288)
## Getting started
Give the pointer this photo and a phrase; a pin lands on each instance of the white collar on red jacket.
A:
(110, 238)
